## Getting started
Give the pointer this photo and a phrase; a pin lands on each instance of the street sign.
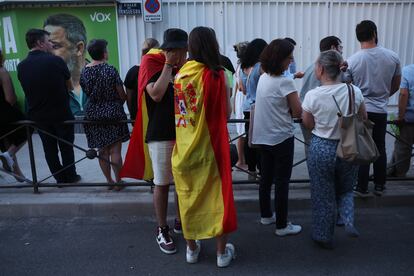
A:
(152, 10)
(129, 9)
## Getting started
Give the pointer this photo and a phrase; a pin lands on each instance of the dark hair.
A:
(329, 41)
(74, 29)
(203, 47)
(252, 53)
(331, 62)
(291, 40)
(274, 55)
(97, 48)
(35, 35)
(365, 30)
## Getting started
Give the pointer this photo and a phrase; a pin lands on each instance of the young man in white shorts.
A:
(160, 135)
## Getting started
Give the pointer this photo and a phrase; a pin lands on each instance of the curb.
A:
(143, 206)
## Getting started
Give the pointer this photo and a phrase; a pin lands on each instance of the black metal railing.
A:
(34, 183)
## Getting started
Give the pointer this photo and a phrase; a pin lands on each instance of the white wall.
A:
(305, 21)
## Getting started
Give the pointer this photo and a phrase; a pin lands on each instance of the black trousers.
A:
(380, 166)
(51, 147)
(277, 162)
(252, 155)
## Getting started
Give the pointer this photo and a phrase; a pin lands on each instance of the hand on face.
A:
(176, 57)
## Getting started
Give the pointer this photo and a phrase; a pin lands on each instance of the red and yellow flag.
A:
(137, 161)
(201, 157)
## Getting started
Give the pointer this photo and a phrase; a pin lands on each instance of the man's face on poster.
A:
(62, 46)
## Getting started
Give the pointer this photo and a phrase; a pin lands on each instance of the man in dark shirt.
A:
(160, 135)
(45, 79)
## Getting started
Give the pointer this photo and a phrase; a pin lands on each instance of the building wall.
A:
(305, 21)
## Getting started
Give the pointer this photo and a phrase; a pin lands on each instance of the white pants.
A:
(160, 153)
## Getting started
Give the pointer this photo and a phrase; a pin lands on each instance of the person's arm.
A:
(395, 84)
(9, 94)
(362, 112)
(121, 92)
(241, 87)
(294, 104)
(402, 103)
(129, 93)
(298, 75)
(156, 90)
(228, 92)
(308, 120)
(236, 89)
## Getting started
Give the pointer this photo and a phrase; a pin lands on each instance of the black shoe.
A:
(379, 190)
(360, 192)
(74, 179)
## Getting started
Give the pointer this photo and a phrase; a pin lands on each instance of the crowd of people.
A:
(180, 96)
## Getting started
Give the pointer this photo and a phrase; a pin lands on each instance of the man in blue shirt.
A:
(403, 145)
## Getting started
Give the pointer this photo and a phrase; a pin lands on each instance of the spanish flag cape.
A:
(137, 161)
(201, 157)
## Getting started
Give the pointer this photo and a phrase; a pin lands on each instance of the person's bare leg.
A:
(221, 244)
(105, 165)
(116, 159)
(161, 204)
(177, 207)
(241, 163)
(12, 150)
(191, 244)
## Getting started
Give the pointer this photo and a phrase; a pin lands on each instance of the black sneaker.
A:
(360, 192)
(73, 179)
(379, 190)
(164, 240)
(177, 227)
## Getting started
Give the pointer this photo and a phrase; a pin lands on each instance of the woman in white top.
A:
(331, 179)
(277, 101)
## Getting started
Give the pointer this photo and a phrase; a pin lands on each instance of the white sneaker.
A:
(268, 221)
(192, 256)
(290, 229)
(7, 160)
(224, 260)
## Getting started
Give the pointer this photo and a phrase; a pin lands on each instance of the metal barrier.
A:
(93, 153)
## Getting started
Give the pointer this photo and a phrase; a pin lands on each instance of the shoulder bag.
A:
(356, 144)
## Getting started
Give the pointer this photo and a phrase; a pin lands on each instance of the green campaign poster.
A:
(81, 23)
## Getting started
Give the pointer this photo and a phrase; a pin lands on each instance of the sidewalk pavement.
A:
(91, 201)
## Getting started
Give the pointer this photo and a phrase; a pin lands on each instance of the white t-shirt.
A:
(372, 71)
(320, 103)
(273, 123)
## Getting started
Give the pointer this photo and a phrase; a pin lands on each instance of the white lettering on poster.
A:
(11, 64)
(9, 40)
(100, 17)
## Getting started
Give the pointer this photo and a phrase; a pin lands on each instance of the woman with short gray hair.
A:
(331, 179)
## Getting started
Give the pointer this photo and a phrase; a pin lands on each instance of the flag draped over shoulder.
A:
(137, 162)
(201, 156)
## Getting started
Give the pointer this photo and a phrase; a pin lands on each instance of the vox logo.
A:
(100, 17)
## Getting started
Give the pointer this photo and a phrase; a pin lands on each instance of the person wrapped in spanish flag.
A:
(201, 158)
(153, 137)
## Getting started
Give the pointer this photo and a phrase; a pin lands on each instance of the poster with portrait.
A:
(71, 28)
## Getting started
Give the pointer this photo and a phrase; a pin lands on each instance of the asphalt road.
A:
(126, 246)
